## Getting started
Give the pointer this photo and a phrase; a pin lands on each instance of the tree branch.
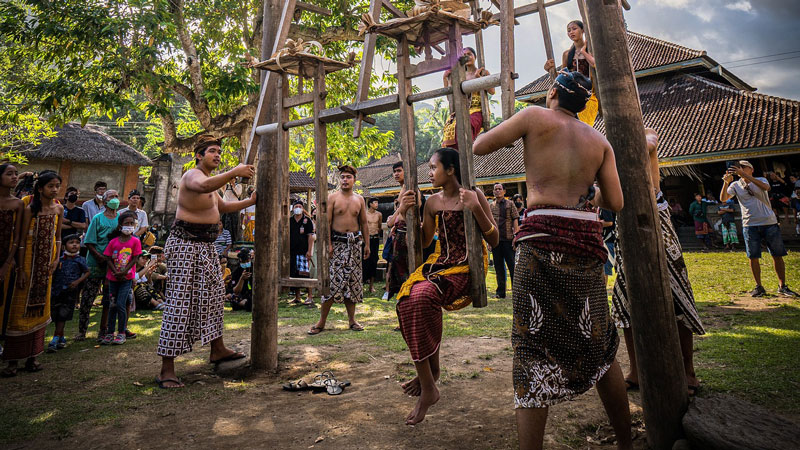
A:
(200, 106)
(330, 34)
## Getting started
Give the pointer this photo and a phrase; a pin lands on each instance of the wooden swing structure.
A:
(437, 28)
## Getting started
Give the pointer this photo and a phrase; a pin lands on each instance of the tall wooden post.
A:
(283, 175)
(321, 176)
(266, 281)
(480, 61)
(655, 333)
(548, 40)
(507, 57)
(464, 138)
(409, 152)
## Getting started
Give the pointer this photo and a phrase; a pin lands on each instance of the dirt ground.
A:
(475, 410)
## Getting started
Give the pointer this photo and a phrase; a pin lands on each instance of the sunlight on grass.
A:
(42, 418)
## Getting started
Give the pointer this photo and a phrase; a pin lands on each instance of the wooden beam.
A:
(429, 66)
(655, 333)
(313, 8)
(507, 93)
(474, 237)
(481, 62)
(266, 270)
(312, 283)
(531, 8)
(371, 106)
(548, 41)
(284, 243)
(297, 100)
(409, 153)
(268, 82)
(365, 75)
(321, 176)
(393, 9)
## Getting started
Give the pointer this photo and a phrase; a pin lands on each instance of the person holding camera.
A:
(759, 223)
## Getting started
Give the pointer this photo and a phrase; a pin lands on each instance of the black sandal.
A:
(631, 386)
(33, 366)
(232, 357)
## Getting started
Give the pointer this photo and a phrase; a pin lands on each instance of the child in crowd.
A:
(65, 292)
(123, 250)
(144, 294)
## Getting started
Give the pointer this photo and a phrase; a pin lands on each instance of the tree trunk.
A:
(661, 375)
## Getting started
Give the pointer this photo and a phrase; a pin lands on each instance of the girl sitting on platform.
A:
(578, 59)
(475, 107)
(443, 281)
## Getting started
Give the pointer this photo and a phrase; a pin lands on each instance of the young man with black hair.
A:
(242, 282)
(374, 221)
(347, 218)
(95, 206)
(195, 293)
(75, 221)
(563, 337)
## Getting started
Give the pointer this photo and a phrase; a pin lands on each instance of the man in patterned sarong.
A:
(563, 337)
(195, 293)
(347, 217)
(682, 295)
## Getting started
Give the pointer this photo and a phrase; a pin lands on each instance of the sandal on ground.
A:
(693, 390)
(321, 381)
(298, 385)
(315, 330)
(631, 385)
(356, 327)
(232, 357)
(161, 382)
(9, 372)
(34, 366)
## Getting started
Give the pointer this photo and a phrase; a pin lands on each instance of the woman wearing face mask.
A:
(74, 217)
(123, 250)
(242, 298)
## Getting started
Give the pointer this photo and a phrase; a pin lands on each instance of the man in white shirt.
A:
(134, 203)
(759, 223)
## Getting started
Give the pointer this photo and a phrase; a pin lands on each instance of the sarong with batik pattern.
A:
(345, 268)
(8, 222)
(441, 282)
(682, 294)
(28, 313)
(195, 293)
(563, 337)
(398, 271)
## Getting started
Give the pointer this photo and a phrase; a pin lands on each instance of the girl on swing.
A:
(475, 108)
(578, 59)
(443, 280)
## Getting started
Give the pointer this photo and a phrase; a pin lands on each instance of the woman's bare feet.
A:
(412, 387)
(426, 400)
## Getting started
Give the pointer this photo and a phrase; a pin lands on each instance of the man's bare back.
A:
(563, 156)
(347, 207)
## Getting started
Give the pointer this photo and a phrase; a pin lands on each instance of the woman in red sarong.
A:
(443, 281)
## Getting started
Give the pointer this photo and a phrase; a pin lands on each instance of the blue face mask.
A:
(245, 265)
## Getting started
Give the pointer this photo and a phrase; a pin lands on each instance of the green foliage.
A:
(180, 64)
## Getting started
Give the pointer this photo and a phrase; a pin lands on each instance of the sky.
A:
(728, 30)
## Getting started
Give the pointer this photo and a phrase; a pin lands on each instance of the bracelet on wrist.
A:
(490, 231)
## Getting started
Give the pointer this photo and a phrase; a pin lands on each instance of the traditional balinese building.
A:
(705, 116)
(85, 155)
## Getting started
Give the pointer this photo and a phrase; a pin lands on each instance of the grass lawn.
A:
(751, 349)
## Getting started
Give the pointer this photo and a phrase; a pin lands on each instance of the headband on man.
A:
(567, 82)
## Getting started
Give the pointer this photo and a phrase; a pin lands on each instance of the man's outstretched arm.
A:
(504, 134)
(197, 181)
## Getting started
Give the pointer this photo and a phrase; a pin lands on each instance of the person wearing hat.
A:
(759, 223)
(135, 205)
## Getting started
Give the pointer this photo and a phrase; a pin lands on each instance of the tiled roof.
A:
(694, 116)
(646, 53)
(378, 170)
(301, 180)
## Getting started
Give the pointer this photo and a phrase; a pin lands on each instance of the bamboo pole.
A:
(548, 41)
(266, 283)
(655, 333)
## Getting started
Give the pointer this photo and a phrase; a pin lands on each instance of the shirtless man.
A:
(347, 216)
(682, 296)
(562, 331)
(191, 313)
(374, 221)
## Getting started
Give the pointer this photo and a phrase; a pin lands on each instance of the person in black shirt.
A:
(242, 298)
(301, 246)
(74, 216)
